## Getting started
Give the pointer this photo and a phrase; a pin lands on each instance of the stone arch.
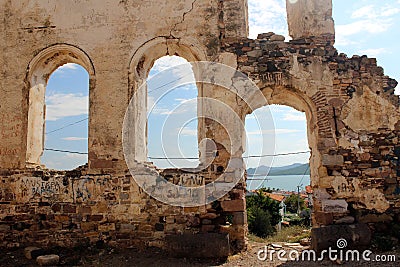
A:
(139, 67)
(38, 73)
(300, 101)
(144, 57)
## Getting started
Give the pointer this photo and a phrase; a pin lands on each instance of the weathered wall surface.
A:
(353, 122)
(352, 115)
(109, 34)
(117, 43)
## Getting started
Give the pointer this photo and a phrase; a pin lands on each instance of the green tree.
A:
(263, 214)
(291, 203)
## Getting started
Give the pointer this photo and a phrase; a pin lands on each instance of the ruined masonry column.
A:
(309, 18)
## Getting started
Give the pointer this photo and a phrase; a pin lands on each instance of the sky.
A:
(362, 27)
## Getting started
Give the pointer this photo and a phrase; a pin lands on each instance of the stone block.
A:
(203, 245)
(207, 228)
(101, 164)
(33, 252)
(323, 218)
(375, 218)
(233, 205)
(255, 53)
(206, 221)
(4, 228)
(345, 220)
(85, 210)
(107, 227)
(239, 218)
(88, 226)
(56, 207)
(48, 260)
(61, 218)
(95, 218)
(358, 236)
(277, 37)
(335, 206)
(332, 160)
(326, 182)
(267, 35)
(127, 228)
(210, 216)
(68, 208)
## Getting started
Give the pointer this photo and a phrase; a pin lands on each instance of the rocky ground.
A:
(154, 257)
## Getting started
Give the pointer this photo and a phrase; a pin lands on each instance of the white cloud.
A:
(365, 11)
(389, 11)
(187, 131)
(74, 138)
(267, 16)
(368, 26)
(368, 19)
(159, 111)
(167, 62)
(57, 161)
(68, 66)
(273, 131)
(65, 105)
(184, 106)
(294, 116)
(341, 40)
(170, 73)
(373, 52)
(186, 101)
(77, 156)
(372, 12)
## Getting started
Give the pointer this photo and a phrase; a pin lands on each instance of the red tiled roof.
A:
(276, 197)
(309, 189)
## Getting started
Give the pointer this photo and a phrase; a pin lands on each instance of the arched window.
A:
(66, 118)
(68, 98)
(289, 138)
(172, 114)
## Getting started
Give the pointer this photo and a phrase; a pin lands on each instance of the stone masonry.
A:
(353, 122)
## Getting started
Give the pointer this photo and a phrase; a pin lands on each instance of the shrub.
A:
(263, 214)
(260, 222)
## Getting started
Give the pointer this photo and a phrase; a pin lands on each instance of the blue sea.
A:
(282, 182)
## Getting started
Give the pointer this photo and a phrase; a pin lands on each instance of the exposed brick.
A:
(95, 218)
(68, 208)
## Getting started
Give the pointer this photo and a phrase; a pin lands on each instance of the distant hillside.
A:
(294, 169)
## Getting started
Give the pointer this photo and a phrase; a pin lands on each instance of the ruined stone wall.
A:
(50, 208)
(109, 34)
(117, 42)
(353, 129)
(352, 120)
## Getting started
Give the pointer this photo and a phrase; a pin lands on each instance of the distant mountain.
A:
(294, 169)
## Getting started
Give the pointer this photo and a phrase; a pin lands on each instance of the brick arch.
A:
(38, 72)
(301, 102)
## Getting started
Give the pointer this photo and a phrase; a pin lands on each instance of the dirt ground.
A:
(156, 257)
